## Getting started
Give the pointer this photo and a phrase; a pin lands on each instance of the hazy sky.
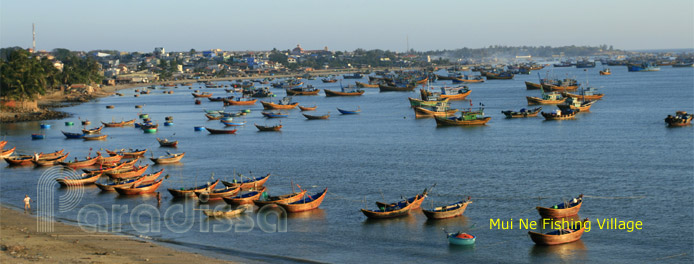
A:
(345, 25)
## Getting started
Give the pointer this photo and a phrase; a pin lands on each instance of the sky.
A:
(141, 25)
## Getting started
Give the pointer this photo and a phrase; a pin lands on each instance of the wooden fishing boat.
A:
(131, 153)
(330, 93)
(547, 98)
(217, 194)
(95, 130)
(461, 239)
(271, 105)
(80, 181)
(605, 71)
(366, 85)
(349, 112)
(101, 160)
(183, 192)
(80, 163)
(226, 123)
(332, 80)
(50, 162)
(532, 86)
(681, 118)
(560, 115)
(230, 213)
(3, 143)
(246, 198)
(307, 203)
(302, 91)
(268, 128)
(467, 118)
(127, 172)
(166, 143)
(560, 236)
(499, 76)
(388, 212)
(522, 113)
(414, 102)
(458, 94)
(141, 188)
(388, 88)
(448, 211)
(119, 124)
(95, 137)
(24, 160)
(575, 104)
(51, 155)
(202, 95)
(167, 159)
(219, 98)
(274, 115)
(314, 117)
(428, 112)
(107, 168)
(213, 117)
(7, 153)
(248, 184)
(241, 101)
(308, 108)
(561, 88)
(281, 199)
(122, 184)
(584, 96)
(220, 131)
(148, 177)
(71, 135)
(564, 209)
(468, 79)
(415, 201)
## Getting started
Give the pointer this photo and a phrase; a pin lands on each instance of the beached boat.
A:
(575, 104)
(220, 131)
(274, 115)
(308, 108)
(51, 161)
(245, 198)
(315, 117)
(302, 91)
(460, 239)
(681, 118)
(240, 101)
(285, 103)
(127, 172)
(307, 203)
(167, 143)
(84, 179)
(167, 159)
(280, 199)
(94, 137)
(366, 85)
(349, 112)
(119, 124)
(122, 184)
(269, 128)
(183, 192)
(248, 184)
(216, 194)
(6, 153)
(229, 213)
(71, 135)
(129, 154)
(80, 163)
(95, 130)
(560, 115)
(547, 98)
(564, 209)
(448, 211)
(522, 113)
(202, 95)
(467, 118)
(560, 236)
(141, 188)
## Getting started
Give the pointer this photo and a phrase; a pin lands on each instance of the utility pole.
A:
(33, 41)
(407, 39)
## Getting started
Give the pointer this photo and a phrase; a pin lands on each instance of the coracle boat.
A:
(400, 209)
(281, 199)
(248, 184)
(202, 95)
(547, 98)
(141, 188)
(306, 204)
(274, 115)
(131, 153)
(183, 192)
(80, 163)
(564, 209)
(167, 159)
(560, 236)
(302, 91)
(307, 108)
(269, 128)
(96, 130)
(217, 194)
(681, 118)
(314, 117)
(461, 239)
(166, 143)
(230, 213)
(448, 211)
(366, 85)
(467, 118)
(94, 137)
(245, 198)
(522, 113)
(574, 104)
(240, 101)
(437, 110)
(83, 180)
(119, 124)
(415, 201)
(560, 115)
(127, 172)
(122, 184)
(285, 103)
(51, 161)
(349, 112)
(71, 135)
(590, 94)
(220, 131)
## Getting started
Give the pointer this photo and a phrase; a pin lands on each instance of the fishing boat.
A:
(217, 194)
(168, 159)
(280, 199)
(560, 115)
(331, 80)
(559, 236)
(575, 104)
(202, 95)
(643, 67)
(454, 93)
(306, 204)
(79, 163)
(605, 71)
(522, 113)
(415, 201)
(220, 131)
(307, 108)
(285, 103)
(461, 239)
(552, 87)
(467, 118)
(240, 101)
(122, 184)
(119, 124)
(24, 160)
(219, 98)
(86, 122)
(349, 112)
(248, 184)
(127, 172)
(350, 90)
(2, 144)
(564, 209)
(101, 160)
(315, 117)
(309, 90)
(130, 154)
(84, 179)
(214, 116)
(6, 153)
(269, 128)
(108, 168)
(467, 79)
(51, 161)
(184, 192)
(547, 98)
(141, 188)
(391, 88)
(366, 85)
(95, 130)
(274, 115)
(448, 211)
(431, 111)
(383, 212)
(681, 118)
(532, 86)
(499, 76)
(589, 94)
(71, 135)
(428, 101)
(167, 143)
(355, 75)
(229, 213)
(226, 123)
(94, 137)
(147, 177)
(245, 198)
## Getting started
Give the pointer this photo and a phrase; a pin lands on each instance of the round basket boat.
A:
(168, 123)
(68, 123)
(199, 128)
(45, 126)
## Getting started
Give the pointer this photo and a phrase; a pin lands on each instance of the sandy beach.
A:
(20, 243)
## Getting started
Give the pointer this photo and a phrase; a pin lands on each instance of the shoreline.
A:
(20, 242)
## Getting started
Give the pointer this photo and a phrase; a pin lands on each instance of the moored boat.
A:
(51, 161)
(315, 117)
(94, 137)
(522, 113)
(460, 239)
(127, 172)
(560, 236)
(240, 101)
(167, 159)
(560, 115)
(123, 184)
(248, 184)
(308, 108)
(6, 153)
(547, 98)
(467, 118)
(274, 115)
(216, 194)
(220, 131)
(280, 199)
(246, 198)
(167, 143)
(349, 112)
(269, 128)
(119, 124)
(71, 135)
(384, 212)
(448, 211)
(184, 192)
(575, 104)
(229, 213)
(202, 95)
(306, 204)
(84, 179)
(95, 130)
(141, 188)
(564, 209)
(285, 103)
(129, 154)
(681, 118)
(80, 163)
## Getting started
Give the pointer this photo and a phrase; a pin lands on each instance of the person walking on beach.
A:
(27, 205)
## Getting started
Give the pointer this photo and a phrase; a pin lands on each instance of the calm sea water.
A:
(629, 165)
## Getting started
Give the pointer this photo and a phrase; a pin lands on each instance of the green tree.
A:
(22, 77)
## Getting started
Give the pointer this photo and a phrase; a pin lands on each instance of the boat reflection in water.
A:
(569, 252)
(451, 224)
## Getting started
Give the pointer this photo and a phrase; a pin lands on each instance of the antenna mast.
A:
(33, 40)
